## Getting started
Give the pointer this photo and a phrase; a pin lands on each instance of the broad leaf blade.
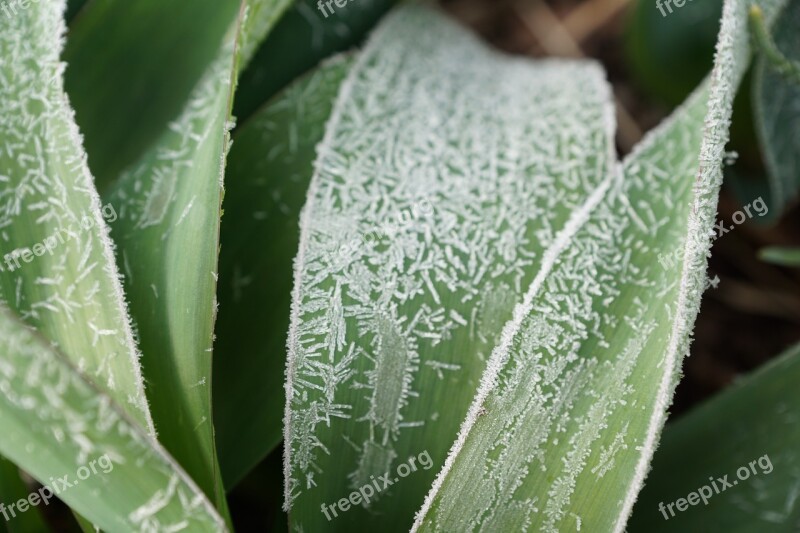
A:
(776, 102)
(754, 418)
(58, 271)
(576, 394)
(269, 169)
(57, 424)
(442, 179)
(168, 241)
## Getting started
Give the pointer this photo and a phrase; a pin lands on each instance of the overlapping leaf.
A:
(269, 169)
(576, 394)
(78, 442)
(442, 179)
(579, 382)
(168, 239)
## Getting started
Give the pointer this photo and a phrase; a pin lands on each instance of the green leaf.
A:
(56, 424)
(311, 36)
(662, 39)
(572, 403)
(776, 103)
(168, 240)
(86, 525)
(269, 169)
(468, 224)
(12, 490)
(781, 255)
(58, 271)
(131, 68)
(73, 8)
(425, 214)
(752, 426)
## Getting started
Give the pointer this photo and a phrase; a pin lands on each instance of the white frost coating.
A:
(73, 295)
(730, 63)
(510, 330)
(506, 151)
(555, 396)
(64, 422)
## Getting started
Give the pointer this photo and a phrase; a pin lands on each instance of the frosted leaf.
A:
(446, 173)
(58, 271)
(43, 397)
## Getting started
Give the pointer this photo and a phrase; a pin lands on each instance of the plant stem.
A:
(783, 65)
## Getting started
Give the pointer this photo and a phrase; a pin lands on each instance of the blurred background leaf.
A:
(304, 37)
(670, 50)
(757, 416)
(776, 103)
(73, 8)
(13, 489)
(781, 255)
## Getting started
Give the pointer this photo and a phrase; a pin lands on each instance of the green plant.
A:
(776, 100)
(766, 114)
(477, 291)
(781, 255)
